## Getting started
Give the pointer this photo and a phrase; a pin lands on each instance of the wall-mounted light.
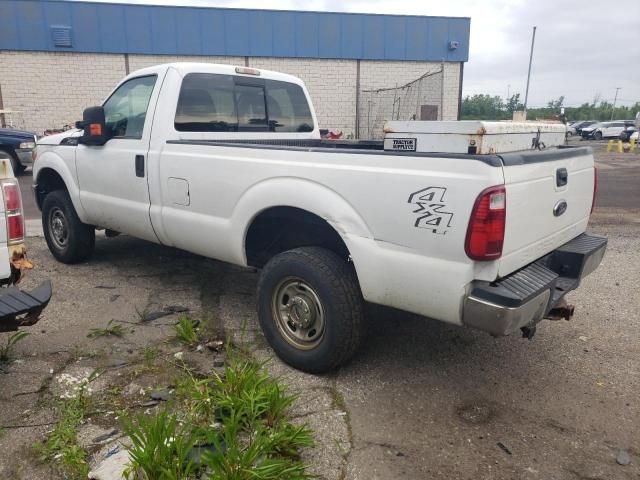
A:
(453, 44)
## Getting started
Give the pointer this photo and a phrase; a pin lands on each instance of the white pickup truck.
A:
(227, 162)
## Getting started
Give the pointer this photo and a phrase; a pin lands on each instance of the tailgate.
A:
(549, 197)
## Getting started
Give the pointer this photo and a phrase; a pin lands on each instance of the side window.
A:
(252, 112)
(206, 104)
(126, 109)
(288, 108)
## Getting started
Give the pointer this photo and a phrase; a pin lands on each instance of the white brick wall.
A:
(377, 107)
(51, 89)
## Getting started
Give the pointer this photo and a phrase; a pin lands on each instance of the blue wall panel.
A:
(236, 32)
(212, 31)
(329, 35)
(152, 29)
(395, 36)
(307, 42)
(86, 34)
(163, 30)
(284, 35)
(260, 34)
(9, 30)
(32, 33)
(459, 31)
(417, 43)
(112, 29)
(352, 42)
(188, 31)
(137, 25)
(373, 37)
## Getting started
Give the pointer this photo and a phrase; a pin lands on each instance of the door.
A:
(616, 129)
(428, 112)
(113, 178)
(549, 198)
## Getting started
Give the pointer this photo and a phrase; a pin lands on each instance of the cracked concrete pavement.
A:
(421, 400)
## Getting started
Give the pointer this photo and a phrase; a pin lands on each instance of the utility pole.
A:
(613, 109)
(508, 90)
(526, 94)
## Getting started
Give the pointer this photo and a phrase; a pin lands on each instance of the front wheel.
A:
(598, 136)
(68, 239)
(311, 309)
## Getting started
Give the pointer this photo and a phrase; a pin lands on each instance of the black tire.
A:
(69, 240)
(333, 282)
(597, 135)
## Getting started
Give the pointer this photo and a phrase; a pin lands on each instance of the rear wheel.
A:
(68, 239)
(310, 308)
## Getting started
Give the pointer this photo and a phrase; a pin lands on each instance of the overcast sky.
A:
(584, 48)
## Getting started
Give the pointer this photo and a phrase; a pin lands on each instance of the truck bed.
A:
(376, 147)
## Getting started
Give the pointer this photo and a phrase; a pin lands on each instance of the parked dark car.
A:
(20, 146)
(629, 129)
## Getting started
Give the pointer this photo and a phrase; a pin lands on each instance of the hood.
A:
(10, 132)
(58, 137)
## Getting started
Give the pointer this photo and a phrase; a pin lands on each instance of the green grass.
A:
(186, 331)
(160, 448)
(150, 355)
(236, 420)
(61, 447)
(112, 329)
(5, 350)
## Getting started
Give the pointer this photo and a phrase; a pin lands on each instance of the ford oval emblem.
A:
(559, 208)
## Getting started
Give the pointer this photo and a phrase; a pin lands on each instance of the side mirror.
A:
(94, 126)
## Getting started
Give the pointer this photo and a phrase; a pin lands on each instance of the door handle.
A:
(562, 177)
(139, 165)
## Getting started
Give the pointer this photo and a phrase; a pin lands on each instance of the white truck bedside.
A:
(227, 162)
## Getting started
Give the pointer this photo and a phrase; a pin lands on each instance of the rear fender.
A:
(300, 193)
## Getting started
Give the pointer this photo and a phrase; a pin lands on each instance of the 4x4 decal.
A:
(430, 202)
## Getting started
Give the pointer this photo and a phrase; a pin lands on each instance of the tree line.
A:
(488, 107)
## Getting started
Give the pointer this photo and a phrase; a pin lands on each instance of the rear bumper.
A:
(525, 297)
(20, 309)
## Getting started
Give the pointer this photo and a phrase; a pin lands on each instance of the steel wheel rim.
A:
(298, 313)
(58, 227)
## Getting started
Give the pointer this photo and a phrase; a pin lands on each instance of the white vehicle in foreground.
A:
(17, 308)
(227, 162)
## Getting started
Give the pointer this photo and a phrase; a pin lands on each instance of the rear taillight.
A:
(485, 235)
(595, 188)
(13, 211)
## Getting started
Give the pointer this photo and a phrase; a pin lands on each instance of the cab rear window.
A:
(227, 103)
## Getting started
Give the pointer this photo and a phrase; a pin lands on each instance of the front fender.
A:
(51, 160)
(299, 193)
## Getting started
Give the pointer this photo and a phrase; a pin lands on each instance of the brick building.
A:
(58, 57)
